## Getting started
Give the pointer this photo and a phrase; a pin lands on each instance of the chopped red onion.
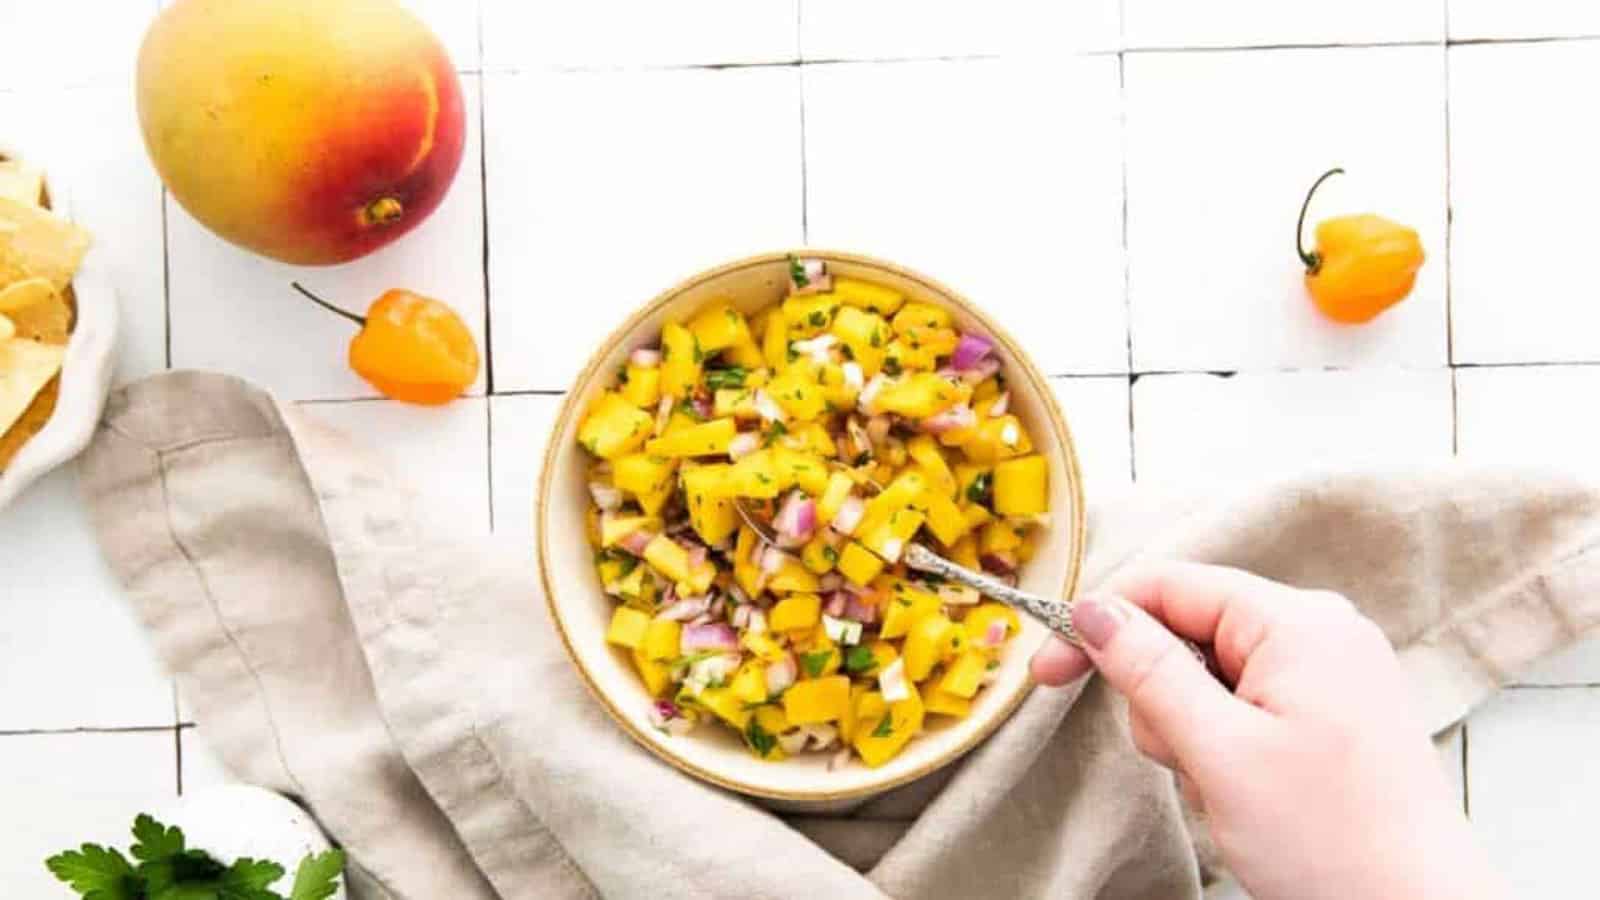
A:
(662, 712)
(981, 371)
(712, 636)
(772, 559)
(995, 634)
(970, 350)
(841, 631)
(1000, 405)
(780, 674)
(796, 520)
(792, 742)
(663, 414)
(830, 581)
(702, 404)
(814, 268)
(605, 496)
(892, 682)
(998, 563)
(878, 429)
(836, 604)
(958, 416)
(869, 394)
(697, 554)
(849, 515)
(853, 376)
(859, 609)
(743, 445)
(757, 623)
(636, 541)
(819, 736)
(817, 348)
(768, 408)
(716, 608)
(686, 609)
(815, 275)
(645, 357)
(741, 616)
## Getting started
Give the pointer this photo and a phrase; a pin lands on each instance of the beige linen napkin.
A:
(411, 693)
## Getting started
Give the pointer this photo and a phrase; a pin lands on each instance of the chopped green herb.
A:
(666, 351)
(815, 662)
(590, 444)
(891, 366)
(622, 373)
(993, 664)
(830, 554)
(862, 458)
(629, 563)
(860, 659)
(797, 273)
(877, 337)
(774, 431)
(817, 318)
(978, 490)
(731, 377)
(686, 406)
(848, 353)
(885, 727)
(763, 478)
(699, 355)
(759, 739)
(792, 353)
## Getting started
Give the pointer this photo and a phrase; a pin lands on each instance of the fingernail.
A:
(1098, 618)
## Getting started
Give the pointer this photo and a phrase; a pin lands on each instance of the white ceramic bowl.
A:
(581, 610)
(85, 372)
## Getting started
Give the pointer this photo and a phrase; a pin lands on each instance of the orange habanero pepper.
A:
(1362, 264)
(411, 348)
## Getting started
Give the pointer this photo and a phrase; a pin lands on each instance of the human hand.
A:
(1315, 776)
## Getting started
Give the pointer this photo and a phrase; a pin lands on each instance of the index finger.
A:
(1230, 609)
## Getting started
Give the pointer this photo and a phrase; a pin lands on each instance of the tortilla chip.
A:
(33, 421)
(8, 330)
(39, 312)
(25, 368)
(39, 245)
(21, 182)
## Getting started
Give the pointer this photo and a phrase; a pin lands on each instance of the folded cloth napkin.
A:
(410, 690)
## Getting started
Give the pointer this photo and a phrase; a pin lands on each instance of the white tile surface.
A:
(199, 764)
(1535, 415)
(1017, 204)
(111, 189)
(1519, 248)
(440, 452)
(1534, 788)
(71, 41)
(72, 654)
(1097, 412)
(607, 188)
(1257, 426)
(63, 790)
(1470, 19)
(1221, 149)
(1254, 23)
(456, 24)
(518, 34)
(235, 312)
(907, 29)
(520, 432)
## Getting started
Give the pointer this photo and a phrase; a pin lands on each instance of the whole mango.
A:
(309, 131)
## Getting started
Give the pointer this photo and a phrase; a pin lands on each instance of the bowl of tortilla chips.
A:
(58, 324)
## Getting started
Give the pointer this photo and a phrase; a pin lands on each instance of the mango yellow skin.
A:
(310, 131)
(1366, 264)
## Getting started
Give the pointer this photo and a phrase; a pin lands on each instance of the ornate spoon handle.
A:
(1055, 615)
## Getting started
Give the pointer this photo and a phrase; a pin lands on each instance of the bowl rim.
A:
(570, 406)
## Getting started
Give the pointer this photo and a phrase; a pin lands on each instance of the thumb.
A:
(1166, 685)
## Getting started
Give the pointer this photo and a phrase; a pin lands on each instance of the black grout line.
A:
(1580, 685)
(166, 278)
(483, 186)
(177, 745)
(88, 729)
(1127, 265)
(805, 181)
(1466, 776)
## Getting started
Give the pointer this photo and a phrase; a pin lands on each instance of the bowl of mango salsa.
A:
(727, 496)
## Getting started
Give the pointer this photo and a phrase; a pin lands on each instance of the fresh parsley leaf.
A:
(699, 355)
(686, 406)
(885, 727)
(891, 366)
(96, 872)
(758, 737)
(978, 490)
(797, 273)
(830, 554)
(815, 662)
(860, 659)
(731, 377)
(154, 842)
(847, 352)
(622, 373)
(318, 876)
(774, 431)
(877, 338)
(818, 318)
(247, 879)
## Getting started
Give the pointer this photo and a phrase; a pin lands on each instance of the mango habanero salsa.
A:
(857, 422)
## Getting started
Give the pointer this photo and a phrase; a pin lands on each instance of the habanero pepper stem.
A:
(1312, 260)
(359, 320)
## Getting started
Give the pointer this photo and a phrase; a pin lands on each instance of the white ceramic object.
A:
(234, 821)
(581, 611)
(85, 372)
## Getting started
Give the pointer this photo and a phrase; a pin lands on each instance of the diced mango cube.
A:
(866, 295)
(1020, 486)
(834, 494)
(703, 439)
(880, 741)
(998, 438)
(681, 359)
(657, 676)
(641, 473)
(924, 645)
(614, 427)
(746, 573)
(764, 646)
(919, 395)
(711, 511)
(615, 528)
(980, 617)
(801, 398)
(796, 612)
(719, 327)
(737, 403)
(668, 557)
(792, 577)
(905, 608)
(803, 470)
(661, 639)
(816, 700)
(627, 627)
(965, 675)
(775, 340)
(920, 315)
(750, 683)
(865, 337)
(727, 705)
(999, 537)
(930, 460)
(858, 564)
(772, 719)
(808, 315)
(643, 386)
(937, 700)
(818, 555)
(945, 519)
(905, 490)
(754, 475)
(888, 539)
(746, 353)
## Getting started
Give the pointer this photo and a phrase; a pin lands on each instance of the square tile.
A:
(70, 637)
(1476, 19)
(107, 185)
(1255, 23)
(920, 29)
(651, 177)
(1017, 204)
(610, 33)
(520, 429)
(198, 763)
(1097, 412)
(1451, 747)
(233, 311)
(1213, 282)
(456, 24)
(1519, 246)
(441, 452)
(72, 41)
(1255, 426)
(64, 790)
(1534, 788)
(1524, 416)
